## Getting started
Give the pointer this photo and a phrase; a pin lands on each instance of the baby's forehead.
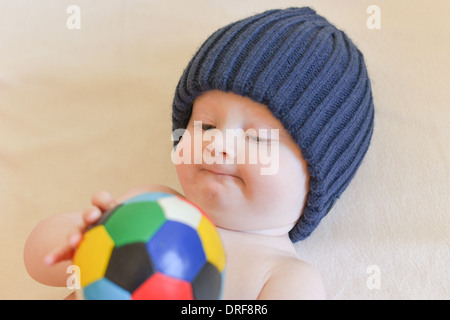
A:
(219, 104)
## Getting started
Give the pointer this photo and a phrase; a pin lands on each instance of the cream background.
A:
(89, 109)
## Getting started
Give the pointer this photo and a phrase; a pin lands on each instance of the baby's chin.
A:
(219, 190)
(225, 211)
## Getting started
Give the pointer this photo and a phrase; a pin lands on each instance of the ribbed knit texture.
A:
(313, 79)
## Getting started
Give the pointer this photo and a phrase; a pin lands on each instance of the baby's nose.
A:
(220, 147)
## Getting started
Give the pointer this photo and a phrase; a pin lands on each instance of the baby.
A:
(285, 83)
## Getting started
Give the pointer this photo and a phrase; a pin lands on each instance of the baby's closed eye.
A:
(204, 126)
(251, 134)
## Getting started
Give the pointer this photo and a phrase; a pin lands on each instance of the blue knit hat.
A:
(311, 77)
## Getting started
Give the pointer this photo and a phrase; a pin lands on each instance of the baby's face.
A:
(241, 166)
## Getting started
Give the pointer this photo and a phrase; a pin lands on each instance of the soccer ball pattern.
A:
(154, 246)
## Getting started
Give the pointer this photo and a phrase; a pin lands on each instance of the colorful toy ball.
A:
(155, 246)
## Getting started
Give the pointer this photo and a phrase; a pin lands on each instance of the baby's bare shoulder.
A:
(292, 278)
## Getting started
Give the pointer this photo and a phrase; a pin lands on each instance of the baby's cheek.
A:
(278, 192)
(260, 189)
(182, 153)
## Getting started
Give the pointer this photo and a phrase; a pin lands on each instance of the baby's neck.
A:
(260, 239)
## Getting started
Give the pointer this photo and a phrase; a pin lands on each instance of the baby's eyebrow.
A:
(262, 124)
(201, 116)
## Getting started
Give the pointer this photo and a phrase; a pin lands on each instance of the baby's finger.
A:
(75, 239)
(91, 215)
(103, 200)
(61, 254)
(66, 251)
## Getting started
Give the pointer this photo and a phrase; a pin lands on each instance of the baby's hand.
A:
(101, 201)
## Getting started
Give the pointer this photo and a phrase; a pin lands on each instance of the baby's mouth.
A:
(221, 172)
